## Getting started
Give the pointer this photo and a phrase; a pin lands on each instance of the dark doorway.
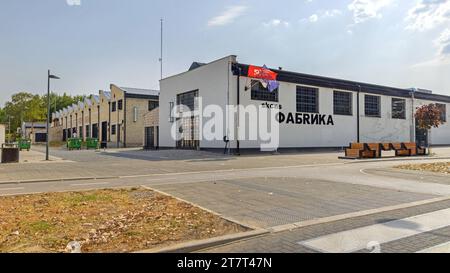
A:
(149, 138)
(105, 131)
(421, 136)
(40, 137)
(64, 135)
(118, 135)
(95, 130)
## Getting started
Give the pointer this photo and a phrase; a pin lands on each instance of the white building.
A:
(2, 134)
(315, 112)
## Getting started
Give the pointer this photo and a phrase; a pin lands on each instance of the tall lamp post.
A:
(50, 76)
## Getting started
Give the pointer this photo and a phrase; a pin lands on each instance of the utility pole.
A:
(162, 37)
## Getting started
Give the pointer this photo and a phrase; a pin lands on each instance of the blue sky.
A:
(401, 43)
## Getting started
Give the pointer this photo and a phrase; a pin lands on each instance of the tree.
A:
(27, 107)
(429, 116)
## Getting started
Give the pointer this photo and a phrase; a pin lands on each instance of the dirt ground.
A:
(434, 167)
(103, 221)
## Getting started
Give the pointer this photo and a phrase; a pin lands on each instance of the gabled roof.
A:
(139, 91)
(87, 102)
(95, 99)
(196, 65)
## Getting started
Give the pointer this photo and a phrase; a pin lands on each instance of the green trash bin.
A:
(74, 144)
(92, 143)
(24, 144)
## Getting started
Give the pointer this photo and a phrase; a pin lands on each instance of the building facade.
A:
(314, 111)
(115, 117)
(34, 131)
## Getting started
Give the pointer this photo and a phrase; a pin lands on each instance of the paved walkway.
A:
(404, 236)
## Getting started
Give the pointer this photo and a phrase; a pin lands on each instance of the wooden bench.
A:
(400, 149)
(415, 149)
(375, 147)
(386, 146)
(359, 150)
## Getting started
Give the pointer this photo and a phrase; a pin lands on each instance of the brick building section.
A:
(115, 117)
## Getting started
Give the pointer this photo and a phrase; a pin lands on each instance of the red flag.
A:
(261, 73)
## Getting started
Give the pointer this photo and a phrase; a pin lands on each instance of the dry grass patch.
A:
(443, 167)
(103, 221)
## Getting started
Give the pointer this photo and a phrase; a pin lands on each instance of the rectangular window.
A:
(188, 99)
(443, 109)
(113, 107)
(259, 92)
(120, 104)
(113, 130)
(307, 100)
(343, 103)
(135, 114)
(372, 106)
(152, 105)
(398, 108)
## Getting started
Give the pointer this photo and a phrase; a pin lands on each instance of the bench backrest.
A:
(397, 146)
(374, 146)
(386, 146)
(357, 146)
(410, 145)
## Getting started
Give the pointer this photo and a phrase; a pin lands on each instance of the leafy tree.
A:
(429, 116)
(26, 107)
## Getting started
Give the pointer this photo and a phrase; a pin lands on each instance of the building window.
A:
(343, 103)
(307, 100)
(398, 108)
(113, 107)
(188, 99)
(372, 106)
(135, 114)
(443, 109)
(259, 92)
(152, 105)
(113, 130)
(120, 104)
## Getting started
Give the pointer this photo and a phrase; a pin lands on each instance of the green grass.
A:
(40, 226)
(88, 198)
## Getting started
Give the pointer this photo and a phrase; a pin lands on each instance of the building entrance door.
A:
(105, 131)
(149, 138)
(189, 131)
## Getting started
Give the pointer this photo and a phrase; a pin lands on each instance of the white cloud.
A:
(276, 23)
(313, 18)
(364, 10)
(228, 16)
(322, 15)
(428, 14)
(443, 43)
(443, 55)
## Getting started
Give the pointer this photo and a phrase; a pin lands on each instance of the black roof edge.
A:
(320, 81)
(141, 96)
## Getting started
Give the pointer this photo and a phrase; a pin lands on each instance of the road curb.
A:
(359, 161)
(57, 180)
(207, 243)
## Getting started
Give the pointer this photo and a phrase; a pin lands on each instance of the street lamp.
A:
(50, 76)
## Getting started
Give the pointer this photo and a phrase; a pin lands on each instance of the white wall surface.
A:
(2, 134)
